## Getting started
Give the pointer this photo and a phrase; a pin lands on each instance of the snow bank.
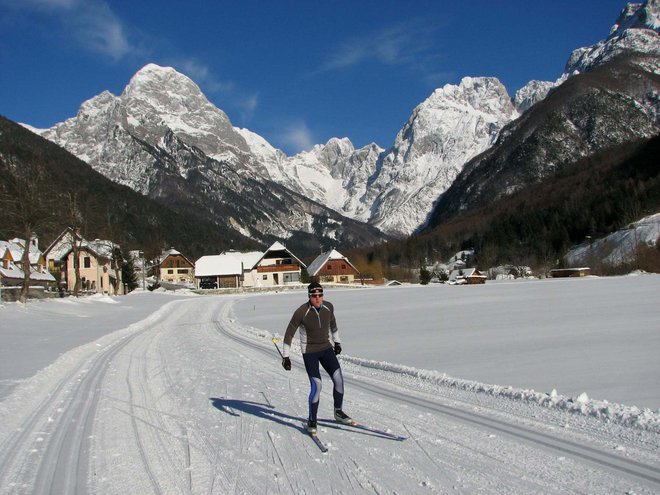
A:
(609, 412)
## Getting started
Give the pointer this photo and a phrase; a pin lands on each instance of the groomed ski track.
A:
(192, 401)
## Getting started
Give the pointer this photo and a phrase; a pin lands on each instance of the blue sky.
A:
(295, 72)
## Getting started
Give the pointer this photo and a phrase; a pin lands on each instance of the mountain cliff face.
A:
(392, 190)
(453, 125)
(609, 95)
(164, 139)
(635, 32)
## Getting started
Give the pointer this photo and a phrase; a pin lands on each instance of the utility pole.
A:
(144, 266)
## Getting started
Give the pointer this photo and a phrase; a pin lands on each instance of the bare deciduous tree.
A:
(29, 205)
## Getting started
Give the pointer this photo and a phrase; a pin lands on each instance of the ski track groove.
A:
(210, 451)
(136, 430)
(21, 441)
(71, 403)
(280, 462)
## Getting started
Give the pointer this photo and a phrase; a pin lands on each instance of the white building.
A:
(276, 266)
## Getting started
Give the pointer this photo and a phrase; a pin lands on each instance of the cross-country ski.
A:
(315, 437)
(358, 426)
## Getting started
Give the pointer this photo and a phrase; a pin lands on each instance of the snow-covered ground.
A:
(187, 394)
(599, 336)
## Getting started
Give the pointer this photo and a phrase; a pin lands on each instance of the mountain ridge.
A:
(394, 190)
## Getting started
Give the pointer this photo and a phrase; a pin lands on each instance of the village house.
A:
(175, 268)
(570, 272)
(11, 269)
(232, 269)
(332, 267)
(469, 276)
(99, 273)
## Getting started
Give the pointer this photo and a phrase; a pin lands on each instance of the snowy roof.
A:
(172, 252)
(277, 246)
(323, 258)
(62, 246)
(14, 270)
(465, 273)
(16, 248)
(249, 259)
(218, 265)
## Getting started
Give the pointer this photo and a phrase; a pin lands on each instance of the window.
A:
(329, 267)
(87, 262)
(170, 272)
(265, 277)
(343, 267)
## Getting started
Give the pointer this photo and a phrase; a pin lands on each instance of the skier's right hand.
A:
(286, 363)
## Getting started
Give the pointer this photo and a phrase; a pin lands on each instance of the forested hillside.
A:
(536, 225)
(69, 191)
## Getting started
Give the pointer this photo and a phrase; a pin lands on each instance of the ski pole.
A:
(275, 341)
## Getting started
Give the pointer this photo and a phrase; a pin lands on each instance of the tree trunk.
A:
(25, 266)
(117, 259)
(76, 267)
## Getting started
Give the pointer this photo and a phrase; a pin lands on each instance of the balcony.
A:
(278, 268)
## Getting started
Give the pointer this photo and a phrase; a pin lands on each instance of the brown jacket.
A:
(317, 328)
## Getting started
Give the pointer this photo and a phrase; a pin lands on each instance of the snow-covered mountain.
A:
(164, 139)
(448, 129)
(157, 102)
(609, 95)
(531, 93)
(394, 190)
(635, 31)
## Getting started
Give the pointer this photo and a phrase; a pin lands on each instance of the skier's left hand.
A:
(337, 348)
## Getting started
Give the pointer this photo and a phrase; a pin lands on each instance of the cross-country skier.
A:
(316, 321)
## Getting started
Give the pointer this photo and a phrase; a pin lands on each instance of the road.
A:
(190, 400)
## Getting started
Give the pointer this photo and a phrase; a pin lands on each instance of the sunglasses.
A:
(317, 295)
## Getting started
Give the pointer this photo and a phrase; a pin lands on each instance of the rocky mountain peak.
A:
(158, 99)
(638, 16)
(635, 32)
(450, 127)
(531, 93)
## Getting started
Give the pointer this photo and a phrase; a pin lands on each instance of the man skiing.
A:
(316, 321)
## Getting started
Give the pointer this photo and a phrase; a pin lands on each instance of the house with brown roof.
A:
(469, 276)
(332, 267)
(175, 268)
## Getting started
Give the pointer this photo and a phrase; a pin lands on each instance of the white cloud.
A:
(202, 75)
(408, 44)
(96, 25)
(297, 136)
(248, 106)
(92, 23)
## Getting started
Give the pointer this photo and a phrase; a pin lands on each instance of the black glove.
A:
(337, 348)
(286, 363)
